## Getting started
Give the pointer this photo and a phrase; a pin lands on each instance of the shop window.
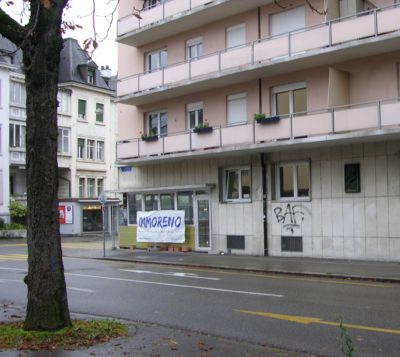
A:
(151, 202)
(293, 180)
(134, 206)
(237, 184)
(185, 203)
(167, 201)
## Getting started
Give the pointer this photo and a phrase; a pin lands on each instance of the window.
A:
(237, 108)
(134, 206)
(194, 48)
(194, 113)
(100, 186)
(81, 109)
(90, 187)
(90, 76)
(287, 21)
(17, 135)
(157, 123)
(63, 145)
(99, 150)
(156, 60)
(185, 203)
(90, 149)
(81, 187)
(237, 184)
(293, 180)
(151, 203)
(289, 99)
(81, 148)
(17, 93)
(64, 101)
(167, 201)
(148, 4)
(352, 178)
(236, 36)
(99, 113)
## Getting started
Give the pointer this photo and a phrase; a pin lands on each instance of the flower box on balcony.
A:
(203, 130)
(149, 138)
(262, 119)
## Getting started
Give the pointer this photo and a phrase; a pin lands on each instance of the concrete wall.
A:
(336, 224)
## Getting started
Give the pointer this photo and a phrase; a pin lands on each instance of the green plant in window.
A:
(259, 116)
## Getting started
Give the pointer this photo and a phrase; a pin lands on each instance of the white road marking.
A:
(176, 285)
(80, 289)
(16, 269)
(10, 281)
(179, 275)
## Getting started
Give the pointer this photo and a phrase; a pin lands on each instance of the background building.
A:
(318, 177)
(86, 137)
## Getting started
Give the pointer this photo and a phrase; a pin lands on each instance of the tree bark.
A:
(41, 44)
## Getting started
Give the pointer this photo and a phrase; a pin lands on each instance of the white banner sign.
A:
(161, 227)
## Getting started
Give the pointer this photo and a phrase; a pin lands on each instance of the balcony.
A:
(176, 16)
(359, 36)
(353, 123)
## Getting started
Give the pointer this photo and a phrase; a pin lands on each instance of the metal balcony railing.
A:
(260, 53)
(337, 120)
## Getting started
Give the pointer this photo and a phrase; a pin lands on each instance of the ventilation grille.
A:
(235, 242)
(292, 244)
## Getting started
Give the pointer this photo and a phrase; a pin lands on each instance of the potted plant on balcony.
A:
(261, 118)
(202, 128)
(148, 137)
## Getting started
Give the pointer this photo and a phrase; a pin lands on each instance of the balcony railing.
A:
(338, 120)
(264, 52)
(155, 14)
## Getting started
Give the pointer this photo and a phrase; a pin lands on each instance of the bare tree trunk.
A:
(47, 307)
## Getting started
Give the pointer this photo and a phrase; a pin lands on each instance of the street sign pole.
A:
(103, 200)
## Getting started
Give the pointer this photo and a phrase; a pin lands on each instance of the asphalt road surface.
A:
(288, 312)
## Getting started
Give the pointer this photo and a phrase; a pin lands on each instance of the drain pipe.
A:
(264, 201)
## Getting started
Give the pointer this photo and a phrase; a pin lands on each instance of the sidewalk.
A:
(347, 269)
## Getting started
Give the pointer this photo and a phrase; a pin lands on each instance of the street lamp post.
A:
(103, 200)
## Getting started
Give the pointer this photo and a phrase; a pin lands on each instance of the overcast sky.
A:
(80, 13)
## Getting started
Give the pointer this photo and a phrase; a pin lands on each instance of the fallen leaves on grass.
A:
(81, 334)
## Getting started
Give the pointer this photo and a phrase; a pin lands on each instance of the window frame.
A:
(64, 100)
(61, 142)
(82, 115)
(160, 65)
(99, 113)
(232, 99)
(159, 127)
(290, 88)
(294, 165)
(198, 44)
(19, 95)
(90, 149)
(237, 170)
(196, 108)
(17, 140)
(231, 29)
(100, 150)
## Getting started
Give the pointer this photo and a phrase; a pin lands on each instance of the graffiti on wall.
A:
(290, 217)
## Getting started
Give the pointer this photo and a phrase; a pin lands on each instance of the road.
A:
(295, 313)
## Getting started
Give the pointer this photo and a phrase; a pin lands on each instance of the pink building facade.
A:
(275, 128)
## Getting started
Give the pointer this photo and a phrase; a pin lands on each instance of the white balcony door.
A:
(237, 108)
(287, 21)
(156, 60)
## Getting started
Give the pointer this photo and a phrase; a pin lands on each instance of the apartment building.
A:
(275, 127)
(86, 138)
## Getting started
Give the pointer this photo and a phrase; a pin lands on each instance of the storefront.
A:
(85, 216)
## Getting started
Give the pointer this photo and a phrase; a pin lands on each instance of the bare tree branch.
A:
(11, 29)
